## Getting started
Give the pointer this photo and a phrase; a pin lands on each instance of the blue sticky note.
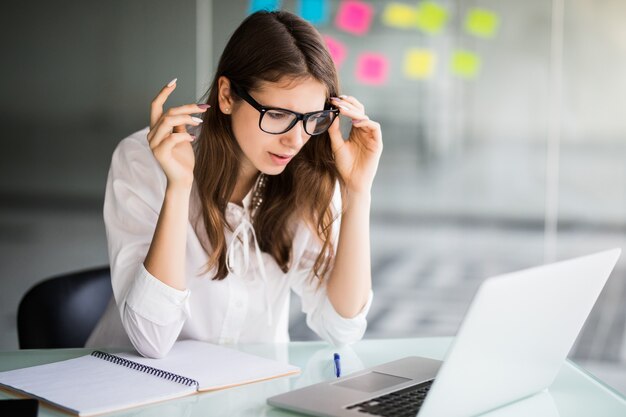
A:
(315, 11)
(256, 5)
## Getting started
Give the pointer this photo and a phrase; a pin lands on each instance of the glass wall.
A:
(499, 118)
(592, 172)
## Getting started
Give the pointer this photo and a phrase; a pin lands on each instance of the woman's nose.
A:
(295, 137)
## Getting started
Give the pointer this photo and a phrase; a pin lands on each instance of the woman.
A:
(208, 233)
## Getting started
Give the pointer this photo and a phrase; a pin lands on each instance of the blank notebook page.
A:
(215, 367)
(88, 385)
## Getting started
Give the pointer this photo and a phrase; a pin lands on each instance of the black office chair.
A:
(61, 311)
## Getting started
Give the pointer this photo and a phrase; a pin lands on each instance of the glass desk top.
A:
(574, 393)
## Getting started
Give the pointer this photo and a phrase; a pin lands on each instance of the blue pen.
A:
(336, 359)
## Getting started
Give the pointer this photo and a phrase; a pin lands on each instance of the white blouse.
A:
(250, 305)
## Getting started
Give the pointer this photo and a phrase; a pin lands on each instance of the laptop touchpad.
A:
(372, 381)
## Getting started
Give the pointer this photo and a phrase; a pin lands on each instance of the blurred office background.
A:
(502, 120)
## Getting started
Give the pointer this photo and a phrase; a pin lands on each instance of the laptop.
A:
(512, 343)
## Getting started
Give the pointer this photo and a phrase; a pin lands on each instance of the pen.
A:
(336, 359)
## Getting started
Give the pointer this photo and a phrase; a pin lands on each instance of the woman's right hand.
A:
(169, 140)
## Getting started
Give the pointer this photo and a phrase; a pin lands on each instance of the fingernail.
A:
(344, 107)
(171, 83)
(196, 119)
(335, 98)
(343, 96)
(193, 137)
(204, 106)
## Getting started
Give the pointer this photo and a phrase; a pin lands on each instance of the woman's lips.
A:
(280, 159)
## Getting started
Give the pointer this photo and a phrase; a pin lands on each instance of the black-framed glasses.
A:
(275, 120)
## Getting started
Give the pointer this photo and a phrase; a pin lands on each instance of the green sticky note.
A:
(481, 22)
(431, 17)
(465, 64)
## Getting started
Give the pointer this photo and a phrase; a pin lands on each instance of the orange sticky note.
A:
(354, 17)
(372, 68)
(337, 50)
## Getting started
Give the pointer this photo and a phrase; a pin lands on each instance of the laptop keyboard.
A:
(405, 402)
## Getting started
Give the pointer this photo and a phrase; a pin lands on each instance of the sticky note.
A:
(465, 64)
(431, 17)
(354, 17)
(256, 5)
(481, 22)
(400, 15)
(315, 11)
(419, 64)
(372, 68)
(337, 50)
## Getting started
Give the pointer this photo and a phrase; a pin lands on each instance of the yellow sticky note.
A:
(419, 64)
(431, 17)
(465, 64)
(400, 15)
(481, 22)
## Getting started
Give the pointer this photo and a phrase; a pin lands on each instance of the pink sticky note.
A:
(354, 17)
(372, 69)
(337, 50)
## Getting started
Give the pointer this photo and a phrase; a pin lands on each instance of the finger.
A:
(336, 138)
(353, 102)
(166, 125)
(169, 142)
(169, 124)
(348, 110)
(366, 124)
(373, 139)
(156, 107)
(186, 109)
(360, 122)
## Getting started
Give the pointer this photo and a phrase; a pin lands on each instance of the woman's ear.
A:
(224, 96)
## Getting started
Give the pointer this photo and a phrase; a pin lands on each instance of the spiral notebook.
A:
(102, 382)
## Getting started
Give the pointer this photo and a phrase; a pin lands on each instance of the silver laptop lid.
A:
(516, 335)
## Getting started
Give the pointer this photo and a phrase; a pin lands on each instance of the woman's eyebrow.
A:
(291, 108)
(256, 94)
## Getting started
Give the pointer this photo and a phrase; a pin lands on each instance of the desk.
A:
(574, 392)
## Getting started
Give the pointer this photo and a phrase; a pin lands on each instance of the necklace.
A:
(259, 190)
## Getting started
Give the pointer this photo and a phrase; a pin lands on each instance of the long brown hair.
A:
(271, 47)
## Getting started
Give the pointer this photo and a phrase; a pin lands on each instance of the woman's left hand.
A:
(357, 158)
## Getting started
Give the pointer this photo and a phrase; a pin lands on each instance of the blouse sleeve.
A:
(321, 316)
(151, 312)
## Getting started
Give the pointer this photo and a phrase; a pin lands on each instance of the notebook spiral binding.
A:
(145, 368)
